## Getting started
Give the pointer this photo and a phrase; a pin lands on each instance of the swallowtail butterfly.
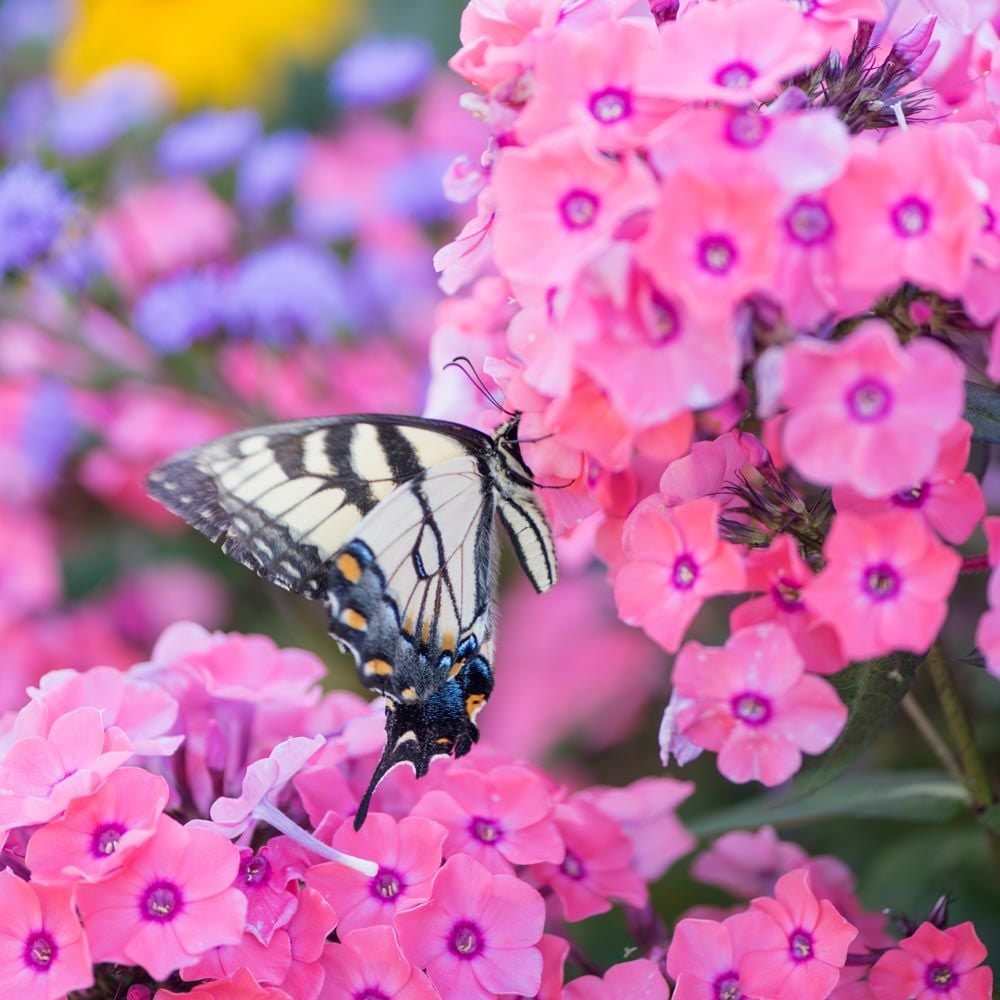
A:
(390, 522)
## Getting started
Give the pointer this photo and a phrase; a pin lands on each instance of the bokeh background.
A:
(254, 197)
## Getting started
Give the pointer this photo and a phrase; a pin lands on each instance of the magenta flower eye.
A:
(40, 951)
(255, 872)
(787, 594)
(572, 866)
(685, 572)
(751, 708)
(869, 400)
(387, 885)
(579, 208)
(881, 582)
(727, 987)
(161, 902)
(466, 939)
(747, 129)
(486, 830)
(940, 977)
(717, 254)
(736, 75)
(914, 497)
(911, 217)
(611, 105)
(800, 946)
(105, 839)
(809, 222)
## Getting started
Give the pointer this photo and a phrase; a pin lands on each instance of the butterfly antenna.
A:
(476, 379)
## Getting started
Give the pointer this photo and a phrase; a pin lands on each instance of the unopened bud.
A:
(664, 10)
(911, 46)
(138, 993)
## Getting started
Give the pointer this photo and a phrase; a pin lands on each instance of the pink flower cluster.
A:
(719, 252)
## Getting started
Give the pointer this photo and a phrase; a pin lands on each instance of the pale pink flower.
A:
(949, 499)
(710, 242)
(367, 962)
(905, 209)
(41, 775)
(781, 574)
(704, 960)
(932, 963)
(407, 855)
(597, 866)
(559, 206)
(478, 933)
(885, 584)
(173, 901)
(748, 864)
(736, 51)
(865, 411)
(639, 979)
(501, 818)
(468, 255)
(713, 468)
(675, 561)
(313, 922)
(753, 703)
(795, 945)
(646, 812)
(100, 832)
(43, 950)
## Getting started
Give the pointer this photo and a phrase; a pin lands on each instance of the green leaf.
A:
(872, 692)
(982, 410)
(990, 818)
(914, 796)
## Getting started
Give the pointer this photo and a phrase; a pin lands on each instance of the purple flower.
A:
(24, 22)
(48, 430)
(413, 188)
(34, 207)
(207, 142)
(380, 70)
(288, 289)
(270, 169)
(24, 116)
(175, 313)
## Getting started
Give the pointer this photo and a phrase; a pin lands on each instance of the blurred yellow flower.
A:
(220, 52)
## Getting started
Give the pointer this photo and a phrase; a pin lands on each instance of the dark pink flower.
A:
(43, 951)
(753, 703)
(934, 964)
(502, 817)
(174, 901)
(407, 855)
(704, 960)
(478, 933)
(675, 560)
(368, 963)
(639, 979)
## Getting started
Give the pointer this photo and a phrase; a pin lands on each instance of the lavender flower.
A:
(285, 290)
(269, 170)
(48, 430)
(34, 207)
(413, 188)
(24, 117)
(207, 142)
(175, 313)
(380, 70)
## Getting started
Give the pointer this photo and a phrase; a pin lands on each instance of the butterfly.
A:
(389, 520)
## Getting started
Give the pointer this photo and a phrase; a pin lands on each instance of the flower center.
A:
(727, 986)
(869, 400)
(370, 993)
(663, 321)
(685, 572)
(161, 901)
(572, 866)
(579, 209)
(387, 884)
(800, 946)
(611, 105)
(809, 222)
(40, 951)
(256, 871)
(915, 496)
(911, 217)
(736, 75)
(940, 978)
(881, 582)
(787, 594)
(747, 129)
(486, 830)
(717, 253)
(751, 708)
(466, 939)
(105, 839)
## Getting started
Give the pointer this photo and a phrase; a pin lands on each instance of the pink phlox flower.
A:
(832, 880)
(780, 574)
(41, 775)
(324, 789)
(885, 585)
(241, 985)
(639, 979)
(99, 833)
(713, 468)
(673, 743)
(866, 412)
(470, 252)
(501, 818)
(596, 80)
(308, 930)
(368, 962)
(754, 704)
(264, 878)
(266, 963)
(646, 812)
(406, 854)
(29, 581)
(43, 950)
(704, 960)
(906, 209)
(794, 944)
(748, 864)
(949, 499)
(559, 206)
(596, 867)
(554, 950)
(478, 933)
(170, 904)
(988, 630)
(710, 242)
(675, 561)
(736, 51)
(837, 19)
(932, 963)
(145, 711)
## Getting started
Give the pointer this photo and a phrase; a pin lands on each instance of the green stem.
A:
(934, 740)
